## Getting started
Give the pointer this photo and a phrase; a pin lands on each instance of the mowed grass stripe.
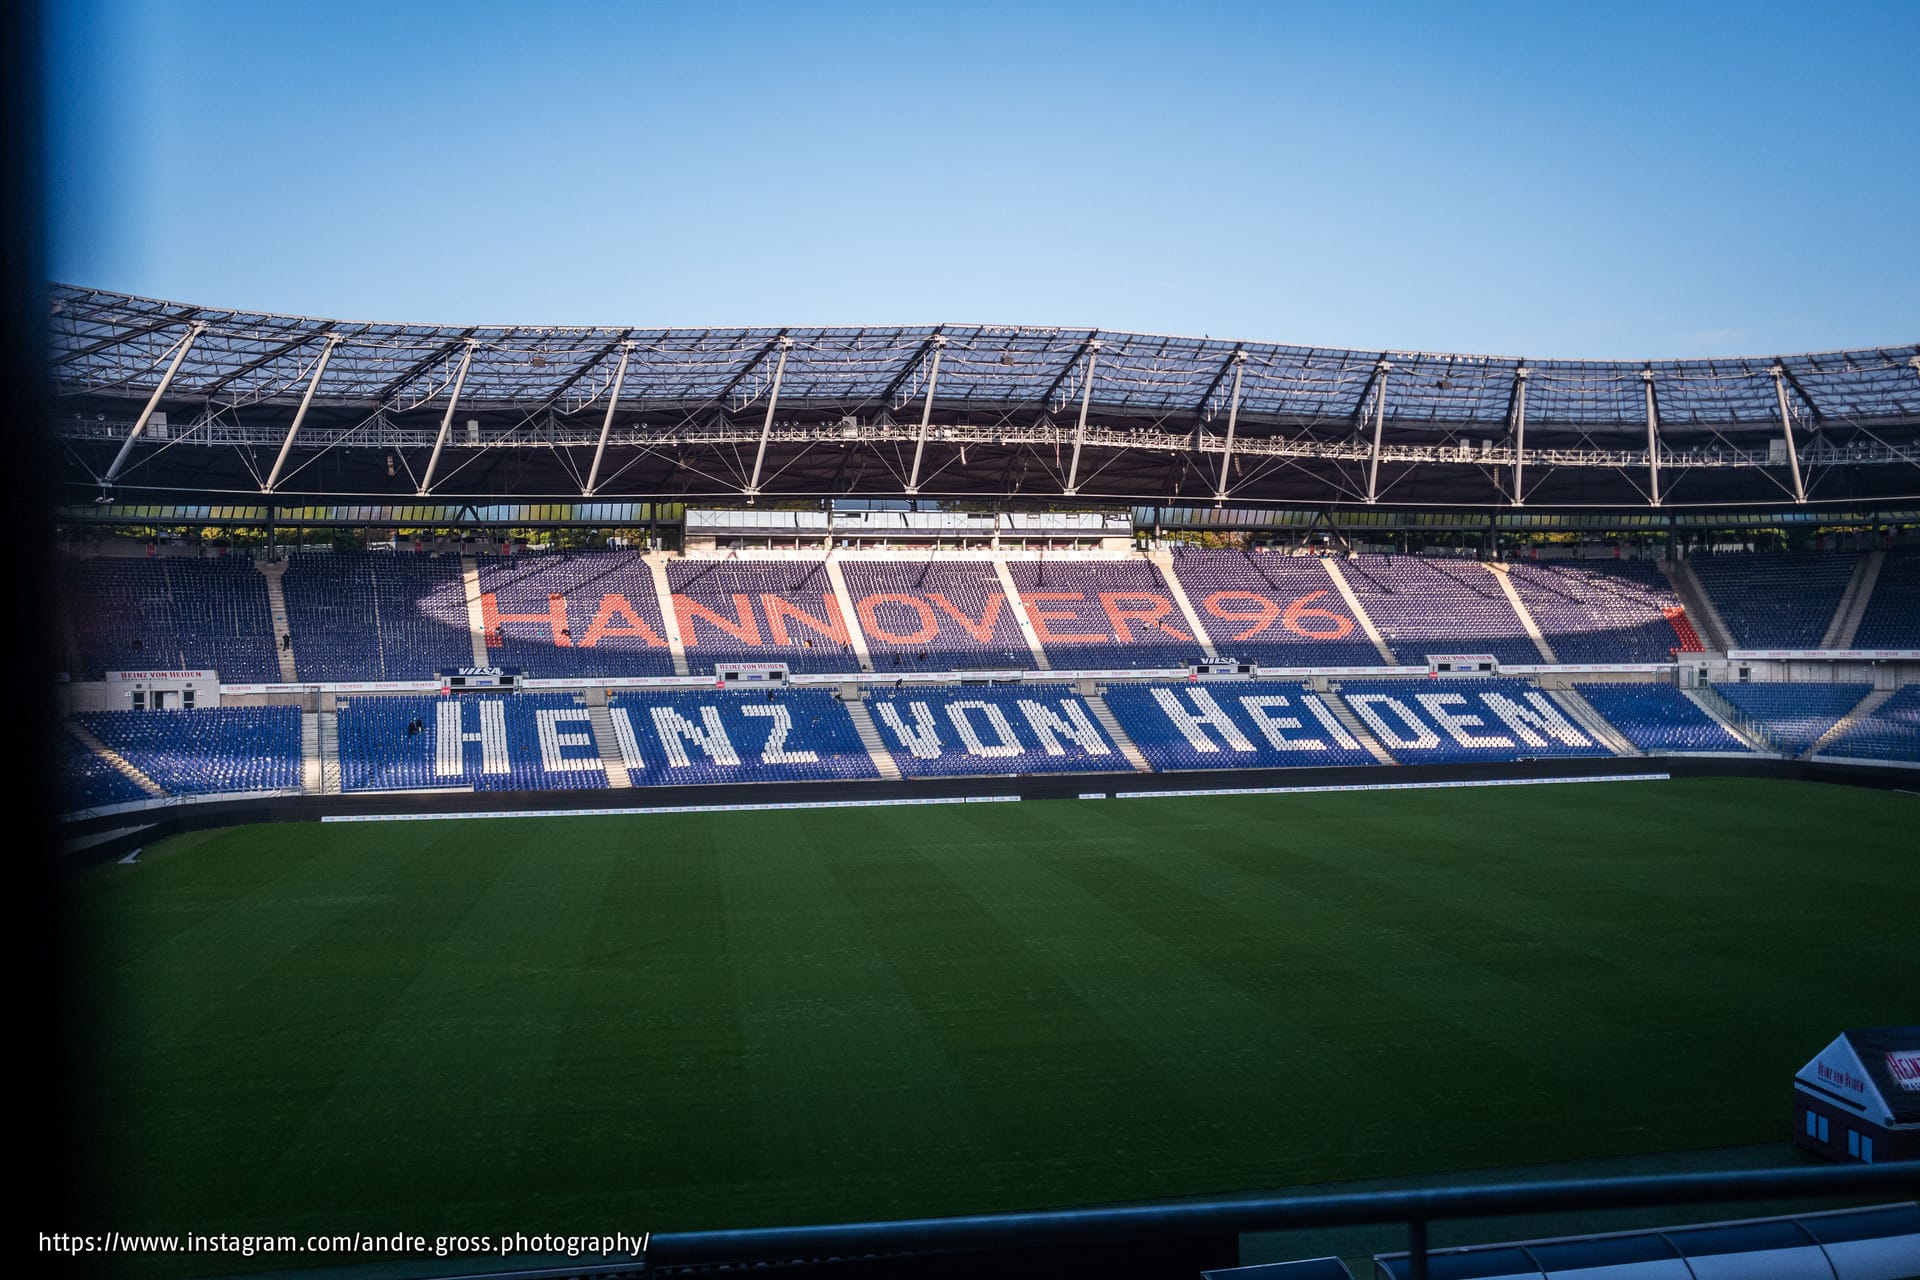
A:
(727, 1019)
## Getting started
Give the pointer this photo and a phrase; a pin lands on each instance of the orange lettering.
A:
(867, 608)
(555, 617)
(989, 614)
(1041, 617)
(833, 626)
(1155, 608)
(617, 617)
(1298, 610)
(1268, 611)
(745, 628)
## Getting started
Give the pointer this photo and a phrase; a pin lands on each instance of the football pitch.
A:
(733, 1019)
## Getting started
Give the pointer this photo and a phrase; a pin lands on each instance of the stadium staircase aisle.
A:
(1593, 722)
(114, 758)
(669, 616)
(310, 770)
(1163, 562)
(1527, 620)
(1111, 723)
(1360, 615)
(1027, 633)
(1705, 619)
(1853, 605)
(476, 616)
(273, 571)
(328, 725)
(1868, 705)
(1353, 723)
(871, 740)
(607, 742)
(1733, 720)
(855, 636)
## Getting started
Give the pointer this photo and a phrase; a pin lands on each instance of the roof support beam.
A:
(926, 415)
(1379, 428)
(766, 424)
(1653, 438)
(446, 419)
(1786, 433)
(1233, 420)
(225, 380)
(115, 340)
(899, 379)
(1080, 429)
(606, 423)
(1519, 434)
(300, 414)
(153, 401)
(420, 366)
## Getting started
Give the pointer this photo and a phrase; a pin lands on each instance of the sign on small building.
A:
(1859, 1099)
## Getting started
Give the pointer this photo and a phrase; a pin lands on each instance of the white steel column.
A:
(300, 414)
(1519, 434)
(766, 426)
(1786, 433)
(1653, 437)
(1379, 428)
(1080, 430)
(446, 419)
(153, 401)
(1233, 418)
(606, 423)
(926, 414)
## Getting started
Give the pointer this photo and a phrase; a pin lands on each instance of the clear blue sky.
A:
(1545, 180)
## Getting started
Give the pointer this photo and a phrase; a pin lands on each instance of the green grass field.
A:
(754, 1018)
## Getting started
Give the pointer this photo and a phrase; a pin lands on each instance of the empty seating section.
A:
(723, 735)
(174, 613)
(1892, 618)
(1276, 610)
(1604, 610)
(88, 780)
(1103, 614)
(1659, 718)
(1794, 715)
(522, 742)
(1487, 718)
(578, 613)
(373, 615)
(1775, 600)
(1892, 732)
(935, 615)
(760, 611)
(207, 751)
(1233, 725)
(1423, 607)
(995, 730)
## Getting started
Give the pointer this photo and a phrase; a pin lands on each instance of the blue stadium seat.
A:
(1275, 610)
(999, 729)
(731, 735)
(1891, 732)
(89, 781)
(1425, 606)
(173, 613)
(935, 615)
(514, 742)
(1773, 599)
(1474, 718)
(1233, 724)
(1892, 617)
(376, 615)
(573, 613)
(1604, 610)
(760, 611)
(1103, 614)
(209, 750)
(1794, 715)
(1659, 718)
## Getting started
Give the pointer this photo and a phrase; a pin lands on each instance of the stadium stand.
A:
(1233, 725)
(1890, 732)
(1276, 610)
(760, 611)
(376, 615)
(524, 742)
(1605, 610)
(573, 613)
(724, 735)
(938, 732)
(937, 614)
(1497, 718)
(1103, 614)
(209, 751)
(1793, 715)
(1892, 617)
(1427, 606)
(1775, 600)
(89, 780)
(1659, 718)
(175, 613)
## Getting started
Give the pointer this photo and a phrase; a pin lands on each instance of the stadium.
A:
(567, 766)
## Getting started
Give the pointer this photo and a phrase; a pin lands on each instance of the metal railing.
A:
(1199, 1219)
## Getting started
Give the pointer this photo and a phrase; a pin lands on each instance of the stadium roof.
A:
(946, 410)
